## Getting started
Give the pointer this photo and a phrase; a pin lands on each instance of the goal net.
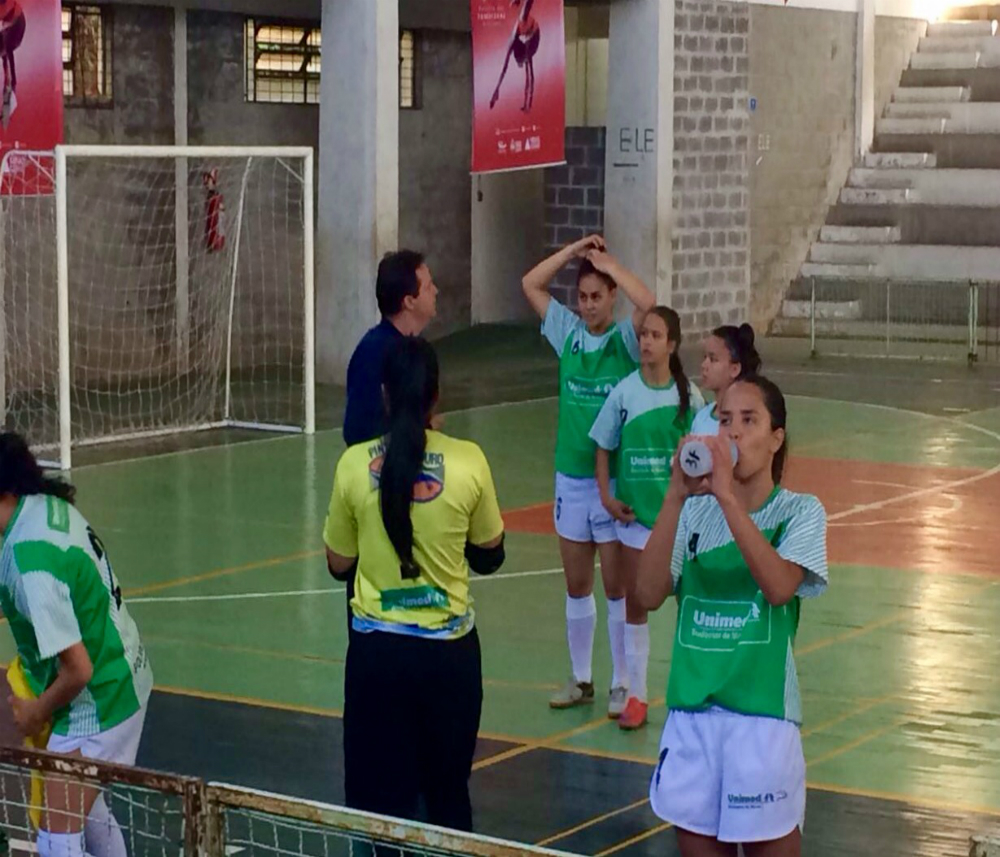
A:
(154, 290)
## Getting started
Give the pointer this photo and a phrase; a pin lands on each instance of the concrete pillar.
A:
(864, 99)
(358, 207)
(638, 208)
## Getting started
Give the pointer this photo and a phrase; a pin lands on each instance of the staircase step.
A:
(961, 59)
(863, 177)
(918, 110)
(847, 310)
(826, 271)
(860, 234)
(962, 28)
(822, 253)
(900, 160)
(957, 44)
(876, 196)
(910, 126)
(921, 94)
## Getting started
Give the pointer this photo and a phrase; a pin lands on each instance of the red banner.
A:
(31, 115)
(519, 84)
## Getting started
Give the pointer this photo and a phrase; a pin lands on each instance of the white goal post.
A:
(152, 290)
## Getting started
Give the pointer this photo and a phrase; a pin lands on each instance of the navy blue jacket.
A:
(365, 418)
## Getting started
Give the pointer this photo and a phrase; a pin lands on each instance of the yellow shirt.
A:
(454, 501)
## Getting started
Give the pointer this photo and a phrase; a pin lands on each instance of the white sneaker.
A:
(618, 699)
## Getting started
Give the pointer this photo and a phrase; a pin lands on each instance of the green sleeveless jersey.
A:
(590, 367)
(644, 425)
(732, 648)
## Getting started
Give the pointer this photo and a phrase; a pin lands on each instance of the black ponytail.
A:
(22, 476)
(411, 389)
(740, 345)
(673, 323)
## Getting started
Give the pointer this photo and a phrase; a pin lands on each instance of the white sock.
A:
(60, 844)
(637, 654)
(581, 620)
(102, 834)
(616, 635)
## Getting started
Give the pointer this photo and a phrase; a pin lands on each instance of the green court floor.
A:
(219, 549)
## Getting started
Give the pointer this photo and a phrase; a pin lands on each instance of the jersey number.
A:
(98, 546)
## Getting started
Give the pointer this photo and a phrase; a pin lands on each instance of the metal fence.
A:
(917, 319)
(164, 815)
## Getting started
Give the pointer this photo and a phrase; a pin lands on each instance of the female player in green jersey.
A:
(642, 421)
(729, 355)
(595, 353)
(739, 552)
(80, 649)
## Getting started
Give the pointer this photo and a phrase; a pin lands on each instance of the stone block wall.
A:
(574, 200)
(711, 195)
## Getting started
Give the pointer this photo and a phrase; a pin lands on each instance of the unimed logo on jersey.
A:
(645, 465)
(592, 390)
(721, 626)
(430, 482)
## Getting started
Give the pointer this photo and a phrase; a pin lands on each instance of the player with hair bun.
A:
(729, 356)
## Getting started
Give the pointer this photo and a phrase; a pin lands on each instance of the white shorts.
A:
(119, 744)
(579, 515)
(633, 535)
(732, 776)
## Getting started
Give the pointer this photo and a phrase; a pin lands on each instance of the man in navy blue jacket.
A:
(407, 299)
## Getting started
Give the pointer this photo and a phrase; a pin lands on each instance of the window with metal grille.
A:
(86, 54)
(409, 70)
(283, 62)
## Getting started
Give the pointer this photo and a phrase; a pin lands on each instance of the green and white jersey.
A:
(57, 589)
(733, 649)
(589, 369)
(645, 425)
(706, 421)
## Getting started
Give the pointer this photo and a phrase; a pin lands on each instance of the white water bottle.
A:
(696, 457)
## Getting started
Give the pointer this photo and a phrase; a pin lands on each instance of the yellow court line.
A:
(220, 572)
(857, 742)
(549, 742)
(245, 650)
(212, 696)
(913, 800)
(854, 712)
(642, 837)
(317, 659)
(832, 788)
(591, 822)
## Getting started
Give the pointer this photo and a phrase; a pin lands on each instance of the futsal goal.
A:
(151, 290)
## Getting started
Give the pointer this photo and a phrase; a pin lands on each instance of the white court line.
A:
(276, 438)
(301, 593)
(919, 492)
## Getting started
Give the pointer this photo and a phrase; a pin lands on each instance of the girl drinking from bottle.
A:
(739, 552)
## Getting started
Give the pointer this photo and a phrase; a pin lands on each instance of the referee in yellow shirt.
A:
(413, 512)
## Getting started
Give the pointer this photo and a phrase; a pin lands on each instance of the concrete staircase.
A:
(919, 218)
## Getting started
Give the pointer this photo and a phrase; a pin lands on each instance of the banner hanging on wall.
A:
(519, 84)
(31, 115)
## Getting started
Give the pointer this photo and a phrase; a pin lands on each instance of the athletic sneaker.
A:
(634, 715)
(575, 693)
(616, 702)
